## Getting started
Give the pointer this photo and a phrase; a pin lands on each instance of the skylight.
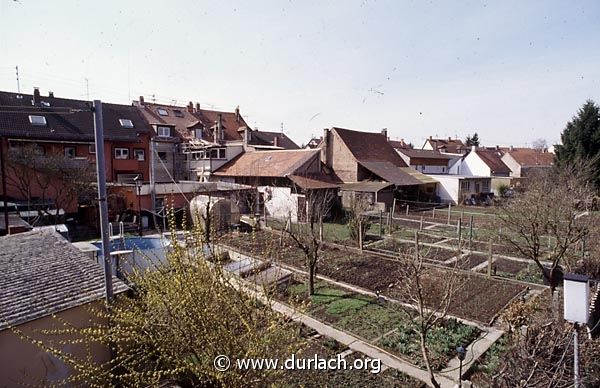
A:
(37, 120)
(178, 113)
(126, 123)
(162, 112)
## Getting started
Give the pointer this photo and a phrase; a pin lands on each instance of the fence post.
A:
(393, 207)
(380, 222)
(459, 230)
(449, 211)
(490, 260)
(407, 206)
(421, 224)
(433, 213)
(470, 232)
(360, 236)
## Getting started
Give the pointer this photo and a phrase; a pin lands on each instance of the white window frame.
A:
(465, 185)
(38, 120)
(126, 123)
(121, 153)
(92, 149)
(161, 128)
(137, 152)
(162, 112)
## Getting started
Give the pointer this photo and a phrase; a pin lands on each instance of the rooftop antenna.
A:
(18, 83)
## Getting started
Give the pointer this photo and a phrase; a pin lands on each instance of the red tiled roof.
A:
(314, 182)
(280, 163)
(400, 144)
(231, 122)
(453, 146)
(369, 147)
(424, 154)
(493, 159)
(268, 139)
(528, 157)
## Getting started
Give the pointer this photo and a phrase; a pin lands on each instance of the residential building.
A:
(313, 143)
(46, 284)
(356, 156)
(461, 189)
(282, 178)
(255, 140)
(425, 161)
(481, 162)
(449, 145)
(523, 162)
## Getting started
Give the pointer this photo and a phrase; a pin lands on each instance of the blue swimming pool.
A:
(145, 252)
(135, 243)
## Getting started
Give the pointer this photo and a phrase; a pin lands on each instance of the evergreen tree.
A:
(472, 140)
(581, 139)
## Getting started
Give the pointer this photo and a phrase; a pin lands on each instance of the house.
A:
(449, 145)
(48, 128)
(356, 156)
(522, 162)
(313, 143)
(282, 178)
(400, 144)
(461, 189)
(481, 162)
(425, 161)
(255, 140)
(46, 283)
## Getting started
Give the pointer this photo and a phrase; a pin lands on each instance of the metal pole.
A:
(139, 193)
(576, 355)
(102, 205)
(4, 183)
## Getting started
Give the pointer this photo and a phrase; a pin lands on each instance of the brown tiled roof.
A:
(391, 173)
(366, 186)
(280, 163)
(400, 144)
(369, 147)
(452, 146)
(186, 121)
(314, 182)
(65, 126)
(428, 154)
(528, 157)
(493, 159)
(268, 139)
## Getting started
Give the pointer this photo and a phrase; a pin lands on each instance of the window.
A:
(162, 155)
(164, 131)
(37, 120)
(214, 153)
(198, 155)
(485, 186)
(162, 112)
(70, 152)
(121, 153)
(126, 123)
(139, 154)
(92, 149)
(177, 113)
(465, 185)
(222, 153)
(443, 169)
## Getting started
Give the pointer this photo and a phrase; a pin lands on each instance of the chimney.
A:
(430, 137)
(50, 94)
(237, 113)
(190, 107)
(141, 100)
(449, 138)
(384, 133)
(247, 136)
(276, 141)
(512, 148)
(36, 96)
(197, 107)
(325, 148)
(473, 148)
(497, 147)
(218, 132)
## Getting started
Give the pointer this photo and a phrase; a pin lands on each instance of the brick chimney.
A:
(50, 94)
(237, 113)
(36, 96)
(384, 133)
(190, 107)
(325, 147)
(197, 107)
(142, 100)
(449, 138)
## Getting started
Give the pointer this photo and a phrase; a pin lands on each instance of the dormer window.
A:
(177, 113)
(126, 123)
(37, 120)
(162, 112)
(163, 131)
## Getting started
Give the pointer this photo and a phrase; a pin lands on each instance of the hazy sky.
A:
(512, 71)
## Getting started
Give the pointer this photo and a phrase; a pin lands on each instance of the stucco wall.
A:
(472, 165)
(281, 202)
(23, 363)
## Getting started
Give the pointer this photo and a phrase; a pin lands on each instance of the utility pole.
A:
(4, 183)
(102, 205)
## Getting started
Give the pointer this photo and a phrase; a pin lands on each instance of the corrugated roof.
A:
(365, 186)
(41, 273)
(369, 147)
(391, 173)
(279, 163)
(77, 126)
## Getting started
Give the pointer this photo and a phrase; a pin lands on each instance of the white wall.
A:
(281, 202)
(431, 169)
(472, 165)
(447, 188)
(515, 168)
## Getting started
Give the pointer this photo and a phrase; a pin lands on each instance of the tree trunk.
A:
(425, 354)
(311, 279)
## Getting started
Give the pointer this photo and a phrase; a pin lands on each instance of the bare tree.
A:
(415, 275)
(539, 144)
(547, 221)
(358, 218)
(308, 235)
(58, 178)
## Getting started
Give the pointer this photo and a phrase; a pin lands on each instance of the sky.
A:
(512, 71)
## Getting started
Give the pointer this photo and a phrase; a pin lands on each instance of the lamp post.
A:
(462, 352)
(138, 186)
